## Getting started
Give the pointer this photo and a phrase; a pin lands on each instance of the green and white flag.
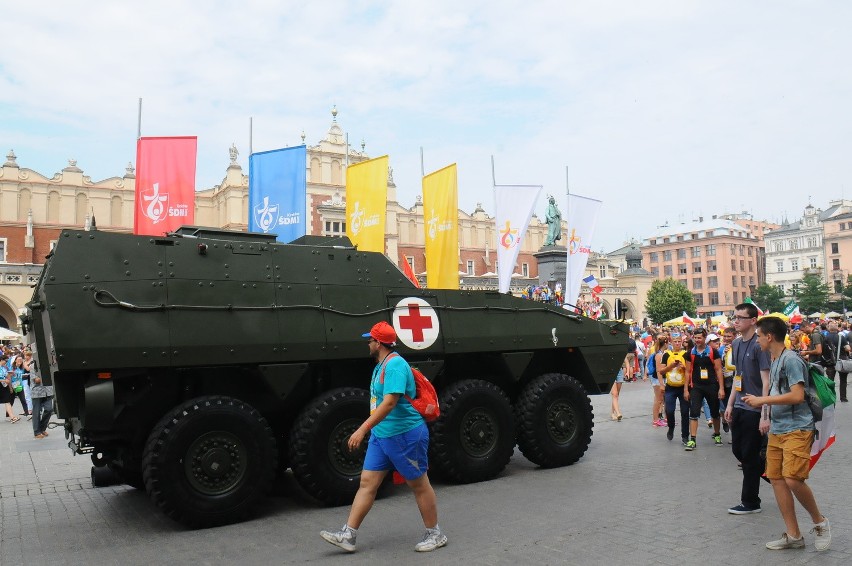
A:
(791, 307)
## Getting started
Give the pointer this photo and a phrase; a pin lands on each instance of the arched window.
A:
(336, 173)
(24, 203)
(316, 176)
(80, 209)
(53, 207)
(115, 209)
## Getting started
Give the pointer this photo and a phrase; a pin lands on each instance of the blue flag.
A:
(277, 193)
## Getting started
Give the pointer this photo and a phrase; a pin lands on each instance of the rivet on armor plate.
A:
(127, 273)
(126, 262)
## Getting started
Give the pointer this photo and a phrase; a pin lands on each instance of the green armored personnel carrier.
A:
(202, 365)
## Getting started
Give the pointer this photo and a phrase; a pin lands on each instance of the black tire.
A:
(319, 457)
(474, 437)
(555, 420)
(234, 454)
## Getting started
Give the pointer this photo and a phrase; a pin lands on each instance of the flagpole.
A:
(139, 120)
(493, 176)
(347, 150)
(250, 136)
(567, 246)
(422, 167)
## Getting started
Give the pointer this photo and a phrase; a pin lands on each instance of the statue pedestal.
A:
(552, 261)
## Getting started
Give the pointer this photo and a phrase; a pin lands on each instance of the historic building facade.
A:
(34, 208)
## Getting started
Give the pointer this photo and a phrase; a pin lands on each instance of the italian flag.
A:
(749, 301)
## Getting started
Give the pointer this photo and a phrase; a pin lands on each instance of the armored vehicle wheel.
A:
(474, 437)
(554, 420)
(209, 461)
(319, 455)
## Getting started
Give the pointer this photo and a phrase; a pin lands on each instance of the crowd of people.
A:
(21, 382)
(746, 376)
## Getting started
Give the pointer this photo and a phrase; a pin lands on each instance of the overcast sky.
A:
(665, 110)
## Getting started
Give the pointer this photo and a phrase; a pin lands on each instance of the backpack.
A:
(813, 372)
(425, 399)
(631, 346)
(829, 356)
(676, 377)
(651, 364)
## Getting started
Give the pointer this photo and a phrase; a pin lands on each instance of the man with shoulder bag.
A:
(843, 363)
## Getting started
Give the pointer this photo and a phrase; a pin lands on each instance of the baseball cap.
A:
(381, 332)
(711, 337)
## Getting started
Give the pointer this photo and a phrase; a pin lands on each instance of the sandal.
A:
(14, 420)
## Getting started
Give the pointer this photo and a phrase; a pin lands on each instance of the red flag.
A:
(165, 184)
(406, 269)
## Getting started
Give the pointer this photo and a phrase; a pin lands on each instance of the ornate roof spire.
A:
(334, 113)
(11, 159)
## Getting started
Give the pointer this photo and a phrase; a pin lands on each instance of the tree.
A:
(811, 294)
(769, 298)
(667, 299)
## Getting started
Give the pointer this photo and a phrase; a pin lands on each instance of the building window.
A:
(667, 270)
(838, 286)
(751, 280)
(781, 288)
(525, 269)
(813, 263)
(335, 228)
(714, 298)
(696, 267)
(812, 241)
(665, 240)
(794, 265)
(711, 249)
(733, 265)
(699, 299)
(667, 255)
(652, 256)
(696, 251)
(470, 270)
(843, 226)
(750, 248)
(835, 249)
(742, 281)
(733, 280)
(742, 264)
(742, 249)
(682, 282)
(736, 297)
(709, 233)
(779, 246)
(696, 283)
(712, 282)
(681, 269)
(779, 266)
(711, 265)
(680, 238)
(681, 253)
(750, 266)
(655, 271)
(794, 244)
(602, 271)
(409, 259)
(835, 264)
(3, 250)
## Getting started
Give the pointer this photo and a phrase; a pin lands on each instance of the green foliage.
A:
(769, 298)
(667, 299)
(812, 294)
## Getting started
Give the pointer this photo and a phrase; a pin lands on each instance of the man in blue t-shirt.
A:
(399, 440)
(791, 435)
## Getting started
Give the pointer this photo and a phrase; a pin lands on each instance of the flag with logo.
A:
(792, 312)
(582, 218)
(441, 214)
(514, 205)
(277, 193)
(165, 184)
(366, 203)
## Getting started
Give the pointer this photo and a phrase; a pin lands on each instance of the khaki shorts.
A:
(789, 455)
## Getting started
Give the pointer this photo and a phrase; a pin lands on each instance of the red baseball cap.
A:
(381, 332)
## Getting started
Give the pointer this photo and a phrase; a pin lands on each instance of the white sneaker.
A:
(822, 535)
(431, 540)
(344, 538)
(786, 542)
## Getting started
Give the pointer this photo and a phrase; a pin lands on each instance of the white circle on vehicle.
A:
(416, 323)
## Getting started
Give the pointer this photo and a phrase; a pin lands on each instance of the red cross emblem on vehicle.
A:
(416, 323)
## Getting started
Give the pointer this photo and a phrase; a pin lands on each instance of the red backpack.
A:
(425, 399)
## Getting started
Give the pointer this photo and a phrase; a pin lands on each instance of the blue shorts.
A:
(407, 453)
(655, 381)
(619, 378)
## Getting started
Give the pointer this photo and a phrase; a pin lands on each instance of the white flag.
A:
(514, 209)
(582, 218)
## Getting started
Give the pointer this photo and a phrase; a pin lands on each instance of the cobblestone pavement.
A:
(635, 498)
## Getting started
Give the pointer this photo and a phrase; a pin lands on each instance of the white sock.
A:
(350, 529)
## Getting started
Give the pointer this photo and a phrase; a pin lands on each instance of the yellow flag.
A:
(366, 203)
(441, 220)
